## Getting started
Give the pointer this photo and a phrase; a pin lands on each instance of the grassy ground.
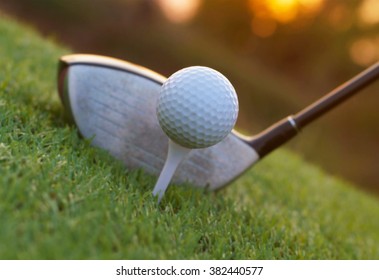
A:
(62, 199)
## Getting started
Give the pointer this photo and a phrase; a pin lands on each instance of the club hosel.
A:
(274, 136)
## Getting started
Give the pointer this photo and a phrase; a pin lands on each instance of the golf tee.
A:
(175, 156)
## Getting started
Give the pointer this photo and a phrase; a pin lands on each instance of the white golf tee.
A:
(175, 156)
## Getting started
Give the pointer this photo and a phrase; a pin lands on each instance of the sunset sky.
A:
(267, 15)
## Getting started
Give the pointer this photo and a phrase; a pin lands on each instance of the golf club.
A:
(113, 103)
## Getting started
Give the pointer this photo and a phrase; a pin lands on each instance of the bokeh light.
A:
(365, 51)
(339, 17)
(179, 11)
(369, 12)
(267, 14)
(283, 10)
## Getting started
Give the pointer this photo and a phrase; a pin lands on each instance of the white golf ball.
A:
(197, 107)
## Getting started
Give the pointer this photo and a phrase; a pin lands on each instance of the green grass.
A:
(62, 199)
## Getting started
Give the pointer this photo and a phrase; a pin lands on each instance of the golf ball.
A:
(197, 107)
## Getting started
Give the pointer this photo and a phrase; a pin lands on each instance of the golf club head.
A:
(113, 103)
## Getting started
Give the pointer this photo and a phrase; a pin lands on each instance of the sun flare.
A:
(268, 13)
(283, 10)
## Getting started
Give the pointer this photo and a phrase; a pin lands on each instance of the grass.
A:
(62, 199)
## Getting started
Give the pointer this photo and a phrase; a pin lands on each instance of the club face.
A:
(113, 103)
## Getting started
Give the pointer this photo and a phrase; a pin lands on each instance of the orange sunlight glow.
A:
(268, 13)
(311, 5)
(283, 10)
(369, 12)
(179, 11)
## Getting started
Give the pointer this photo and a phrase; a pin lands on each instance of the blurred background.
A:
(279, 54)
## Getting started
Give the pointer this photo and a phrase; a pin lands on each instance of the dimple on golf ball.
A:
(197, 107)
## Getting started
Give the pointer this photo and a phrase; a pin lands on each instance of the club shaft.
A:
(284, 130)
(337, 96)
